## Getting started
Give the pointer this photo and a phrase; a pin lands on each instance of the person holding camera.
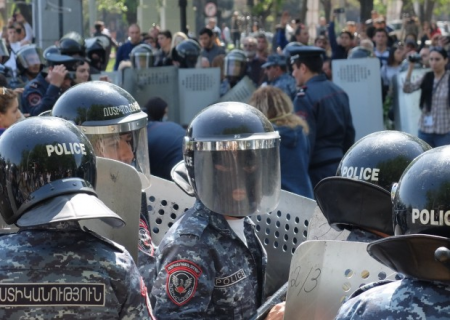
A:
(434, 123)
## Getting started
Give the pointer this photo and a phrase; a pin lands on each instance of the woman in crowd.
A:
(9, 109)
(294, 148)
(392, 67)
(434, 123)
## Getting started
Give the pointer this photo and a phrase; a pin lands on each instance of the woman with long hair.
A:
(294, 149)
(9, 109)
(434, 123)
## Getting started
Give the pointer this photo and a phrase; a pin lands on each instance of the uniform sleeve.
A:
(184, 280)
(34, 101)
(349, 138)
(118, 58)
(332, 38)
(304, 108)
(137, 304)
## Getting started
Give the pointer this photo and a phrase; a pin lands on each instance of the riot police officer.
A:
(30, 62)
(211, 263)
(235, 68)
(117, 128)
(72, 44)
(186, 54)
(96, 54)
(54, 268)
(41, 93)
(331, 131)
(420, 249)
(142, 57)
(358, 198)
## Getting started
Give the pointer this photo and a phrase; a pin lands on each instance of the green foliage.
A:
(264, 7)
(112, 6)
(380, 6)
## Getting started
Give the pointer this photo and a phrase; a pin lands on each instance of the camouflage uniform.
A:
(204, 270)
(58, 271)
(287, 84)
(359, 235)
(404, 299)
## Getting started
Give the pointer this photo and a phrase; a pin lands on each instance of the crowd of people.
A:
(296, 134)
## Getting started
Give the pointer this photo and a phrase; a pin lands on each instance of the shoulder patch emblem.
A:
(34, 99)
(145, 239)
(182, 280)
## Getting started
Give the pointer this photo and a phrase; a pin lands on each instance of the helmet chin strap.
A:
(180, 177)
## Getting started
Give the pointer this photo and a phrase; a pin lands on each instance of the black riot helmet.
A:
(96, 52)
(72, 44)
(50, 51)
(360, 53)
(41, 158)
(186, 53)
(4, 53)
(29, 56)
(235, 66)
(231, 153)
(359, 195)
(421, 217)
(142, 57)
(111, 119)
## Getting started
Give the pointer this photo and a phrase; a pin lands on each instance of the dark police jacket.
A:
(326, 108)
(204, 270)
(39, 95)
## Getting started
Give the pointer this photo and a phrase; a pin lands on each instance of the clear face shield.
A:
(239, 178)
(130, 147)
(31, 57)
(233, 68)
(141, 60)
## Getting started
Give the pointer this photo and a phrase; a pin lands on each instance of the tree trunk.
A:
(421, 12)
(407, 8)
(428, 14)
(303, 11)
(326, 4)
(365, 10)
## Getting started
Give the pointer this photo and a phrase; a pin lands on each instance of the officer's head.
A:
(231, 153)
(359, 195)
(287, 53)
(42, 158)
(111, 119)
(421, 199)
(72, 65)
(96, 51)
(306, 62)
(142, 57)
(235, 66)
(72, 44)
(29, 60)
(186, 53)
(275, 66)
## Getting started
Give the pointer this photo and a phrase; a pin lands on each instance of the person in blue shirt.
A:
(123, 53)
(293, 130)
(275, 69)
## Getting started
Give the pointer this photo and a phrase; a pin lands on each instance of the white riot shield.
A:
(119, 187)
(319, 229)
(166, 204)
(324, 274)
(241, 92)
(154, 82)
(280, 232)
(197, 89)
(406, 107)
(360, 79)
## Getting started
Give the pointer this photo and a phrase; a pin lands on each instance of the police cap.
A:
(304, 52)
(275, 60)
(69, 62)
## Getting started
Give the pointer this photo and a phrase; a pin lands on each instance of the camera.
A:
(339, 10)
(415, 58)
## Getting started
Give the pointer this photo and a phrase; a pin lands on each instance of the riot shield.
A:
(280, 232)
(319, 229)
(324, 274)
(160, 82)
(115, 76)
(360, 79)
(241, 92)
(119, 187)
(166, 204)
(197, 89)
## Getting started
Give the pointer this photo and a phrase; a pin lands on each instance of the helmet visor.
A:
(128, 147)
(238, 182)
(233, 68)
(142, 60)
(31, 57)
